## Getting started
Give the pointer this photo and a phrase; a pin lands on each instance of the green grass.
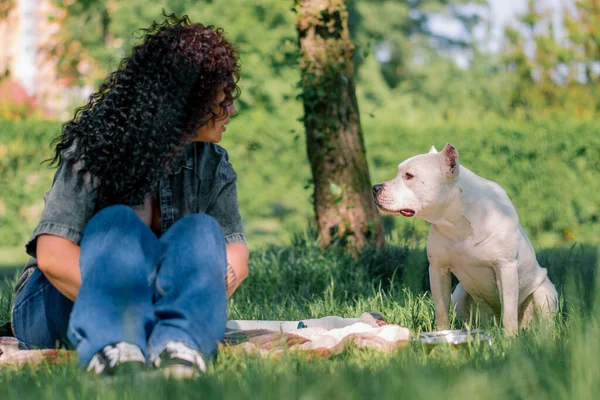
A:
(297, 280)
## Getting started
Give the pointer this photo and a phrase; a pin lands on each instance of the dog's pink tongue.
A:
(407, 212)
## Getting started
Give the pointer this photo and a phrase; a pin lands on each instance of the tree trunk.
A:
(343, 199)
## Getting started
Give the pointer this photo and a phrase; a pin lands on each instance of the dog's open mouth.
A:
(407, 212)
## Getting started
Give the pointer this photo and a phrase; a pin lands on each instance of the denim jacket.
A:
(204, 182)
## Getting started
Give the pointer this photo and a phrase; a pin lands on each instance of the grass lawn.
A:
(299, 281)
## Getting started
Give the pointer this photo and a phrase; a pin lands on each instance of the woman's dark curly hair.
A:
(132, 129)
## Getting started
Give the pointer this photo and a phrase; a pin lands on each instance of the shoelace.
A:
(180, 351)
(114, 354)
(109, 353)
(129, 352)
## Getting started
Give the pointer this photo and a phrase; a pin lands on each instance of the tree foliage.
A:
(402, 30)
(550, 69)
(100, 32)
(97, 33)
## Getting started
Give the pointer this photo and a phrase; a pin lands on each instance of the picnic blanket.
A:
(11, 354)
(321, 337)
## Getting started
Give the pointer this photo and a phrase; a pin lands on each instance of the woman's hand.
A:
(237, 266)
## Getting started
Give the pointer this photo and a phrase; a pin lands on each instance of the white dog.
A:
(475, 235)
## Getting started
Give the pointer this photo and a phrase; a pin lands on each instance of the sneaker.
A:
(117, 357)
(178, 361)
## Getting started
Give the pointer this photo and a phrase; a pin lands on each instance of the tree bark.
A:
(343, 201)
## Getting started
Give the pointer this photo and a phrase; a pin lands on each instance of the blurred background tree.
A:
(397, 32)
(553, 69)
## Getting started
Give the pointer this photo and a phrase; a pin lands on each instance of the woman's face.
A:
(213, 131)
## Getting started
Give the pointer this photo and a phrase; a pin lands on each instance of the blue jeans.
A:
(135, 288)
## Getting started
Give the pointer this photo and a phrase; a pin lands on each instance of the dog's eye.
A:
(408, 176)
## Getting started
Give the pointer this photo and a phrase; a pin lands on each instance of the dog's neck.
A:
(449, 218)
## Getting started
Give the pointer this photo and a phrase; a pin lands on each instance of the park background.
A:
(512, 84)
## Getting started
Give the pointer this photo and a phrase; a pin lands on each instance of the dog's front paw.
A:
(511, 331)
(442, 326)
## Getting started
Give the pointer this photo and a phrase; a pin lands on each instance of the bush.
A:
(549, 167)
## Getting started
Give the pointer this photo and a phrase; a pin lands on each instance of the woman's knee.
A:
(199, 224)
(109, 216)
(197, 229)
(116, 242)
(198, 244)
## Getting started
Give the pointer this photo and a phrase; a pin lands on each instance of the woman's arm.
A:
(237, 266)
(58, 259)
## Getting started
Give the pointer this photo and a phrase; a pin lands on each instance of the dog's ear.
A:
(432, 149)
(450, 160)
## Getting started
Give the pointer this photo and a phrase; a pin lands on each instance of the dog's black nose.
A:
(377, 189)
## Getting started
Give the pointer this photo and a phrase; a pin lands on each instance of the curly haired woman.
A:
(141, 241)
